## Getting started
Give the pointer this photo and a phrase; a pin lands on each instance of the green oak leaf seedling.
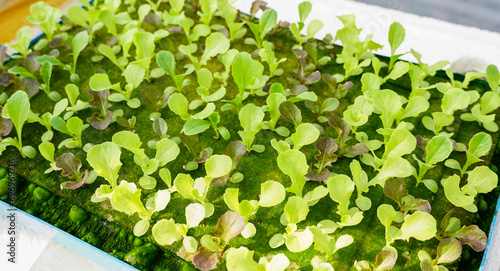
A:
(17, 109)
(480, 180)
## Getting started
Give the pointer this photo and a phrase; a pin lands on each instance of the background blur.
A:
(484, 14)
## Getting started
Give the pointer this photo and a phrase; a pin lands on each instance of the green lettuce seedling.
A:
(145, 50)
(453, 100)
(479, 146)
(490, 101)
(312, 28)
(216, 166)
(295, 211)
(166, 61)
(166, 151)
(17, 109)
(267, 22)
(235, 150)
(385, 260)
(73, 92)
(230, 14)
(227, 61)
(294, 164)
(215, 44)
(251, 117)
(127, 198)
(22, 44)
(100, 82)
(437, 150)
(242, 259)
(480, 180)
(493, 77)
(205, 79)
(328, 245)
(266, 53)
(45, 17)
(247, 74)
(207, 10)
(272, 193)
(419, 225)
(448, 251)
(175, 14)
(47, 150)
(396, 37)
(105, 160)
(73, 127)
(80, 41)
(199, 30)
(340, 188)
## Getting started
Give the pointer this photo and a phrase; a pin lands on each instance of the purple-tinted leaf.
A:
(385, 260)
(346, 86)
(422, 142)
(5, 78)
(111, 41)
(30, 64)
(298, 89)
(151, 96)
(70, 165)
(160, 127)
(235, 150)
(358, 149)
(230, 225)
(203, 155)
(192, 143)
(283, 24)
(75, 185)
(472, 236)
(30, 86)
(56, 42)
(224, 31)
(322, 176)
(313, 77)
(3, 54)
(448, 250)
(327, 147)
(175, 29)
(256, 6)
(99, 99)
(154, 20)
(5, 124)
(394, 190)
(100, 124)
(320, 128)
(340, 126)
(54, 53)
(426, 265)
(291, 112)
(205, 260)
(420, 205)
(330, 81)
(221, 181)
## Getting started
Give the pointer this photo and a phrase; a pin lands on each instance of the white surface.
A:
(436, 40)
